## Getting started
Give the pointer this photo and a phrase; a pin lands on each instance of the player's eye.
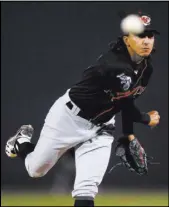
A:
(150, 35)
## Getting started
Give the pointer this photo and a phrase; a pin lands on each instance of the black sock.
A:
(84, 202)
(23, 149)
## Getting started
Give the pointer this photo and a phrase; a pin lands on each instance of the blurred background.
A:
(45, 46)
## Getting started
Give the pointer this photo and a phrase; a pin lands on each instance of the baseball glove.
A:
(132, 155)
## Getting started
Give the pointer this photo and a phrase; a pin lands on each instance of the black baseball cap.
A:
(146, 19)
(147, 22)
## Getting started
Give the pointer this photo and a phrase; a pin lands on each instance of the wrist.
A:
(145, 118)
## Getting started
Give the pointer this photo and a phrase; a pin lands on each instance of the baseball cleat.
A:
(24, 134)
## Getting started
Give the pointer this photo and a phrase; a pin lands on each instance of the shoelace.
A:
(149, 158)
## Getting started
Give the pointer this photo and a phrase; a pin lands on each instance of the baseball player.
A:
(84, 117)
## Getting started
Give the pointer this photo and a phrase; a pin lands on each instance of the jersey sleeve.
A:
(130, 114)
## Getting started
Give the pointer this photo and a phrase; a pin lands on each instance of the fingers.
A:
(155, 117)
(153, 113)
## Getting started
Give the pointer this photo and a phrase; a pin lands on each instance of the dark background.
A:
(44, 48)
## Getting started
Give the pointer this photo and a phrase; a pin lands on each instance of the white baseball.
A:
(132, 24)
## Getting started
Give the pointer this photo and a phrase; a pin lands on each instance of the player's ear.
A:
(126, 40)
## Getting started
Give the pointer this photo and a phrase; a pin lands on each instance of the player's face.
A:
(142, 44)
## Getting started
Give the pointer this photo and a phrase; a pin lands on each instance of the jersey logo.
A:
(125, 81)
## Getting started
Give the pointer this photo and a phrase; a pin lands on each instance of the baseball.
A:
(132, 24)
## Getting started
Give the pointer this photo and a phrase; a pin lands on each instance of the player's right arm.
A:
(132, 113)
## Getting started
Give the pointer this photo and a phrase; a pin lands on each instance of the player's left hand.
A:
(132, 155)
(154, 118)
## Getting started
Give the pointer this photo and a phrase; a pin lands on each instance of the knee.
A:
(37, 172)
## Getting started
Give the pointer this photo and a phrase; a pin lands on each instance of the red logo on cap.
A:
(146, 20)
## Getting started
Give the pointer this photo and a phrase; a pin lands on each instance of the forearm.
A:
(135, 115)
(127, 123)
(130, 114)
(140, 117)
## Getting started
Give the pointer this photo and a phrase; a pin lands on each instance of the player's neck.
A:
(134, 56)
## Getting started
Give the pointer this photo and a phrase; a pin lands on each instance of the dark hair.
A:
(119, 45)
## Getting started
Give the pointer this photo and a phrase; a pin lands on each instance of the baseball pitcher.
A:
(84, 117)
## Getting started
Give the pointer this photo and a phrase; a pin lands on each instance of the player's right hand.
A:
(154, 118)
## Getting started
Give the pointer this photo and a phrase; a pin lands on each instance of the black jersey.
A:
(111, 85)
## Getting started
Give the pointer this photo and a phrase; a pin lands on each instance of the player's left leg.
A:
(23, 136)
(91, 158)
(39, 158)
